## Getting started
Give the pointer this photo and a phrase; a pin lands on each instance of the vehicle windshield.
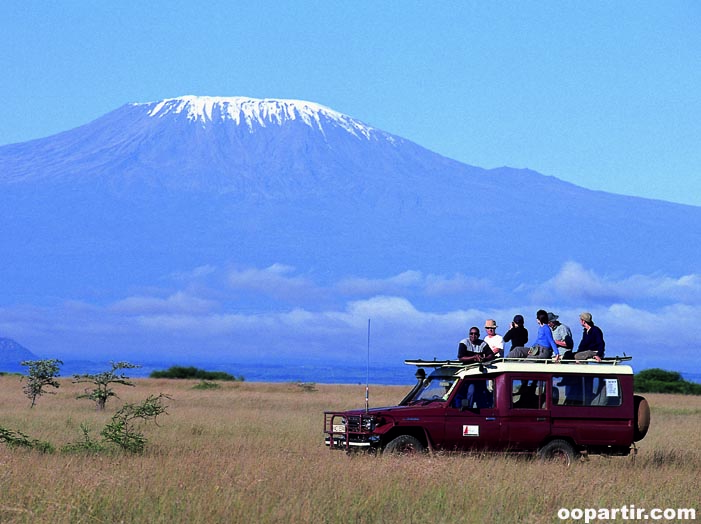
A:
(434, 389)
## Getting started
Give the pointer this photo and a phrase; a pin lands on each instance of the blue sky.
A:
(602, 94)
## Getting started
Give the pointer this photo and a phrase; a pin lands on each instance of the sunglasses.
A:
(490, 328)
(474, 334)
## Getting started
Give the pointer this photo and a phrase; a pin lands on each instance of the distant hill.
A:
(12, 353)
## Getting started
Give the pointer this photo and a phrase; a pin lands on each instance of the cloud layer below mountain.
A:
(652, 317)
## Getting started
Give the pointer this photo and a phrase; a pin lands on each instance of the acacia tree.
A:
(102, 381)
(42, 373)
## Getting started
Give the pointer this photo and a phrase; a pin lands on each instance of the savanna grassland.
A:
(254, 452)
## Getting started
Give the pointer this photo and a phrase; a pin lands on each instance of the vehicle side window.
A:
(528, 394)
(475, 394)
(587, 390)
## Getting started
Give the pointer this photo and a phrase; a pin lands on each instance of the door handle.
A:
(490, 418)
(540, 419)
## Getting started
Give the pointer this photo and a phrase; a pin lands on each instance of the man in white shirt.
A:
(494, 341)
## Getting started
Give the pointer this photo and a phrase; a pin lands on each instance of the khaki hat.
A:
(586, 316)
(490, 324)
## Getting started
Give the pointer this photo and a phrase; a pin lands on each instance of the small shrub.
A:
(19, 439)
(122, 429)
(206, 384)
(86, 445)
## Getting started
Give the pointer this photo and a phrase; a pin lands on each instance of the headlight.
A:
(369, 423)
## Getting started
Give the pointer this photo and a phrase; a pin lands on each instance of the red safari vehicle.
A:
(554, 410)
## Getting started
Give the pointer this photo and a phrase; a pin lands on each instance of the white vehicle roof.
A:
(527, 365)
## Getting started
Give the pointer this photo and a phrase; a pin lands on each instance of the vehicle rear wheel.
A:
(558, 450)
(642, 418)
(404, 445)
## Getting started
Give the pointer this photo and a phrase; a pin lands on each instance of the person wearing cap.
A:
(473, 348)
(495, 342)
(562, 334)
(517, 334)
(592, 344)
(544, 346)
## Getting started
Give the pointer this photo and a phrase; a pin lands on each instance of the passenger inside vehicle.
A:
(528, 394)
(474, 394)
(585, 391)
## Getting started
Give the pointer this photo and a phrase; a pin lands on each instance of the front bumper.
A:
(344, 431)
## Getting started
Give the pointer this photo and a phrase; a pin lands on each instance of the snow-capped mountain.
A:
(189, 168)
(156, 189)
(241, 145)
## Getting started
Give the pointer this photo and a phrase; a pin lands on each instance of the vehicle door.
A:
(471, 421)
(527, 420)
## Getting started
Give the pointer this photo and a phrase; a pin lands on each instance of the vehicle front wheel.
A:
(558, 450)
(404, 445)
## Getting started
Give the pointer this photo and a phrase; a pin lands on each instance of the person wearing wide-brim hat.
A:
(496, 342)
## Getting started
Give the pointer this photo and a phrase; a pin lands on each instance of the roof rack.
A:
(459, 364)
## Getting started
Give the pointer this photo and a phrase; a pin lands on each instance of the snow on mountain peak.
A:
(250, 111)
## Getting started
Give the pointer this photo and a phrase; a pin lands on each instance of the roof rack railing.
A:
(459, 364)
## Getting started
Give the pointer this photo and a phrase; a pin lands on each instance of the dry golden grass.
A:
(253, 452)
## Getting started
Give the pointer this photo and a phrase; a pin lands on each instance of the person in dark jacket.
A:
(517, 335)
(592, 344)
(473, 348)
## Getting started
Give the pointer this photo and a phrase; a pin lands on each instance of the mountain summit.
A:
(245, 146)
(254, 113)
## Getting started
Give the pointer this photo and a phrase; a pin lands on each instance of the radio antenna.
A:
(367, 380)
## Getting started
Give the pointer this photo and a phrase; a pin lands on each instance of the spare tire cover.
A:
(642, 417)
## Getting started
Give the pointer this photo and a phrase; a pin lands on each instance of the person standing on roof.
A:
(562, 334)
(494, 341)
(473, 348)
(517, 335)
(544, 345)
(592, 344)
